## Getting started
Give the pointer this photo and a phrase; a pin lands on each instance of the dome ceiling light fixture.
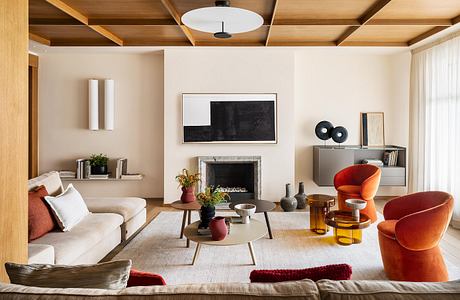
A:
(222, 20)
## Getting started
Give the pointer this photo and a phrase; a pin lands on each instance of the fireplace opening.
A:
(237, 179)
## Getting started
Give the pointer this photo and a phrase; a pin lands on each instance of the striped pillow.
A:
(112, 275)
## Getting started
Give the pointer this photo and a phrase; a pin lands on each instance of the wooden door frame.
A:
(33, 116)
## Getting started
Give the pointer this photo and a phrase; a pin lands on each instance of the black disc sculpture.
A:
(323, 130)
(339, 134)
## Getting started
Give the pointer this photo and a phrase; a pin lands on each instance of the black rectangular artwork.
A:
(236, 121)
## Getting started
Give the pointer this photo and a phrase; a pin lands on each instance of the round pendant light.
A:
(222, 20)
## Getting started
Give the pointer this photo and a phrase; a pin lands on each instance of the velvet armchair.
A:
(358, 182)
(409, 237)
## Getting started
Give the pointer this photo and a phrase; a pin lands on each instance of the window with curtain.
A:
(435, 121)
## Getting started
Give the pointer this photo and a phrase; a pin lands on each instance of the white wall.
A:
(313, 84)
(337, 85)
(230, 71)
(138, 134)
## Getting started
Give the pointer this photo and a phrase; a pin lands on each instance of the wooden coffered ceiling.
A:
(287, 22)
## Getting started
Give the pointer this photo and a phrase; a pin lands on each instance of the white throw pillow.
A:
(68, 208)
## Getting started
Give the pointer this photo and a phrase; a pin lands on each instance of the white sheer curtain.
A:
(435, 121)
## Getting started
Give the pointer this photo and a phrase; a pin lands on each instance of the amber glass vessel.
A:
(347, 230)
(319, 207)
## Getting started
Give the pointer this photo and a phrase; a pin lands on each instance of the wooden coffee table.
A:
(239, 234)
(262, 206)
(187, 217)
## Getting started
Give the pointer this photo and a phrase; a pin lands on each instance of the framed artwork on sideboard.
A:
(372, 129)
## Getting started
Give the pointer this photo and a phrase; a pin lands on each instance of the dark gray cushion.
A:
(111, 275)
(384, 290)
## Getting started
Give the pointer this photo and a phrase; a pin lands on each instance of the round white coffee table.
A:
(239, 234)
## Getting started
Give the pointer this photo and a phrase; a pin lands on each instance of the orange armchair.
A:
(358, 182)
(409, 236)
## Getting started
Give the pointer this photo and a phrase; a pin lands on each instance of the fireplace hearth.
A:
(237, 175)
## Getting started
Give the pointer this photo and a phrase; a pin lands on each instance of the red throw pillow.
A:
(138, 278)
(333, 272)
(40, 219)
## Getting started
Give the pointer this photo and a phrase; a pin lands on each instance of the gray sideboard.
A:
(328, 160)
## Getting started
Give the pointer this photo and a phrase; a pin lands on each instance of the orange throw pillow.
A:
(40, 218)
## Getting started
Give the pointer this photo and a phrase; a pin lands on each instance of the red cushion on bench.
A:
(333, 272)
(139, 278)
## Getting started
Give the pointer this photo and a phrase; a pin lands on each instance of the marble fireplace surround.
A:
(256, 161)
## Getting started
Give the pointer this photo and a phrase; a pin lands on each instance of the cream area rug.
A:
(158, 249)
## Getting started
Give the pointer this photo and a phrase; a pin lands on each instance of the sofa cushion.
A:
(40, 254)
(50, 180)
(40, 219)
(334, 272)
(383, 290)
(388, 228)
(70, 245)
(68, 208)
(138, 278)
(127, 207)
(292, 290)
(110, 275)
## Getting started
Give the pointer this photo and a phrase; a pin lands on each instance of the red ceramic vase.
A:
(188, 195)
(218, 228)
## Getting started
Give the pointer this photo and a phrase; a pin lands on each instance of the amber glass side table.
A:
(319, 207)
(347, 230)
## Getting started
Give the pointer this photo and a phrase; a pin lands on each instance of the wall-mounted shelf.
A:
(328, 160)
(104, 179)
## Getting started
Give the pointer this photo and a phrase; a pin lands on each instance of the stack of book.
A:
(122, 167)
(375, 162)
(121, 171)
(67, 174)
(207, 232)
(98, 176)
(390, 158)
(83, 168)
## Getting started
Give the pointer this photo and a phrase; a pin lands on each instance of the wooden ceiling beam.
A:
(306, 22)
(426, 34)
(366, 17)
(410, 22)
(39, 39)
(272, 21)
(176, 16)
(105, 21)
(300, 43)
(374, 44)
(84, 19)
(43, 21)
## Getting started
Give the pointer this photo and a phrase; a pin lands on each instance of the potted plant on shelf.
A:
(98, 163)
(208, 200)
(187, 182)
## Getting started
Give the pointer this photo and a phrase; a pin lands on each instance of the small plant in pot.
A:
(187, 183)
(208, 199)
(98, 164)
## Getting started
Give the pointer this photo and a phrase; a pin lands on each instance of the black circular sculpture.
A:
(323, 130)
(339, 134)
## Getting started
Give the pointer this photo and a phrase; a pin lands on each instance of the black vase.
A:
(98, 170)
(206, 215)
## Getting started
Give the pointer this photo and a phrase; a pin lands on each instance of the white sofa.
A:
(112, 221)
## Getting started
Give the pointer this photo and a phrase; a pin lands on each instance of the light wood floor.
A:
(450, 242)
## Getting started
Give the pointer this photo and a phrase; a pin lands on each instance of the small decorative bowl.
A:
(356, 205)
(245, 210)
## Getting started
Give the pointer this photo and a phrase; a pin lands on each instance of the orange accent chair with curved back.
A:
(358, 182)
(409, 237)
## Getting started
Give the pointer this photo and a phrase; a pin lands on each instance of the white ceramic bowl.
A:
(356, 203)
(245, 210)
